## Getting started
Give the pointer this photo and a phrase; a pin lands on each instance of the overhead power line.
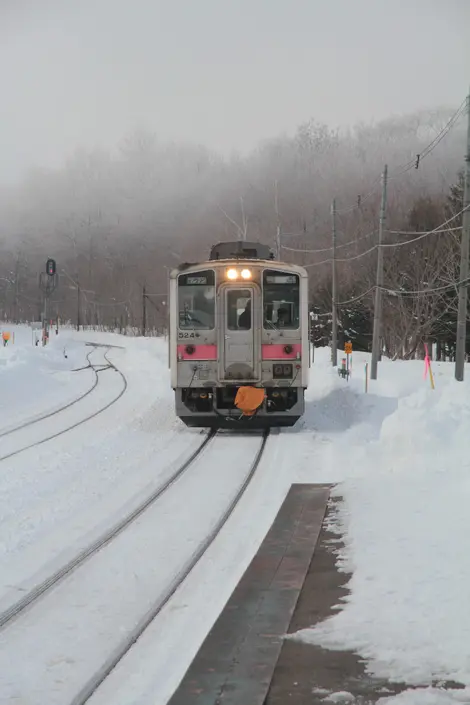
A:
(410, 232)
(426, 234)
(362, 199)
(424, 292)
(412, 163)
(356, 298)
(405, 293)
(113, 303)
(440, 229)
(341, 259)
(328, 249)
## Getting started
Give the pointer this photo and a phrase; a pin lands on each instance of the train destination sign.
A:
(281, 279)
(196, 280)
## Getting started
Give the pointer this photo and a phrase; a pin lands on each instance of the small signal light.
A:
(51, 267)
(246, 274)
(232, 274)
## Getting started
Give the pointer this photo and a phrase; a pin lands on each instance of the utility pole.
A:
(44, 319)
(17, 287)
(144, 311)
(78, 305)
(376, 336)
(464, 253)
(278, 226)
(334, 327)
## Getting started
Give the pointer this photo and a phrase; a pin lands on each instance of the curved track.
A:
(48, 415)
(33, 595)
(109, 365)
(104, 671)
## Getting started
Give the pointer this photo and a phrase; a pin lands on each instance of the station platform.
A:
(236, 662)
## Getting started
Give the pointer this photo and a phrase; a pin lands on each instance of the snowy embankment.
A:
(33, 379)
(403, 457)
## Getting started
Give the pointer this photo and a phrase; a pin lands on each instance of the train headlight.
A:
(232, 274)
(246, 274)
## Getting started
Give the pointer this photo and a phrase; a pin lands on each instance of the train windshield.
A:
(196, 300)
(280, 300)
(239, 309)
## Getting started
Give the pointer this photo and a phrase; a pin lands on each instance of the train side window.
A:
(238, 309)
(196, 300)
(280, 300)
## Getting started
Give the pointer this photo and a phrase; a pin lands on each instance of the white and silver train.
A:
(239, 339)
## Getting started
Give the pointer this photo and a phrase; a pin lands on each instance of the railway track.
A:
(106, 537)
(32, 599)
(118, 654)
(56, 412)
(41, 417)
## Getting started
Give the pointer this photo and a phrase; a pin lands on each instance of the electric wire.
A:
(412, 163)
(328, 249)
(440, 228)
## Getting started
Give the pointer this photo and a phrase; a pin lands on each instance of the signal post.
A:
(48, 282)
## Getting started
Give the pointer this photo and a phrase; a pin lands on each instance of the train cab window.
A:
(238, 309)
(280, 300)
(196, 300)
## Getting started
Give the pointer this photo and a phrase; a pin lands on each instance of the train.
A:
(239, 339)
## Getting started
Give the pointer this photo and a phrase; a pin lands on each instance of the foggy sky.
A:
(225, 73)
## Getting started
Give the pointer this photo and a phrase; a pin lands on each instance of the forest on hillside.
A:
(118, 221)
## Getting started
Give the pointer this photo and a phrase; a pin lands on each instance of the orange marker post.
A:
(348, 351)
(427, 366)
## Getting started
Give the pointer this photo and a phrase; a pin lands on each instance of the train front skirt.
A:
(217, 407)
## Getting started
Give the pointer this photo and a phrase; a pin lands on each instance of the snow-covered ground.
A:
(399, 455)
(402, 455)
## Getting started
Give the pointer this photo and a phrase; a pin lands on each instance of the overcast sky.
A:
(225, 73)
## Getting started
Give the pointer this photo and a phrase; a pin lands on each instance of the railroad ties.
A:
(236, 662)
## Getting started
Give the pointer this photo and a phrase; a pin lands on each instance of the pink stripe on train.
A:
(277, 352)
(197, 352)
(209, 352)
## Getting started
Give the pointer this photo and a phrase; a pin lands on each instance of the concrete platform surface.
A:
(236, 662)
(307, 674)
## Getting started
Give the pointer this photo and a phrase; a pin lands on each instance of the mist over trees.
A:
(118, 221)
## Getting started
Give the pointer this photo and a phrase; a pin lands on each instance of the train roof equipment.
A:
(240, 249)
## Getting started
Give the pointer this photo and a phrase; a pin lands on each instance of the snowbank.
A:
(37, 379)
(405, 522)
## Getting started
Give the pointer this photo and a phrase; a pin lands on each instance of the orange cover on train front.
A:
(249, 399)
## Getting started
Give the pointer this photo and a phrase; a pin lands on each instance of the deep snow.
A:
(403, 460)
(399, 455)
